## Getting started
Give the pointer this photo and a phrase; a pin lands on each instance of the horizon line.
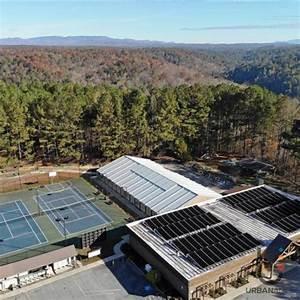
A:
(143, 40)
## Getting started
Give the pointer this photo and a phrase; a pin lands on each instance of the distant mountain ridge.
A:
(275, 66)
(104, 41)
(294, 42)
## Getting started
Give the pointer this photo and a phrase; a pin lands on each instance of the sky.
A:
(188, 21)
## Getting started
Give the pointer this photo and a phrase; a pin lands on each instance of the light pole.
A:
(38, 202)
(63, 221)
(19, 176)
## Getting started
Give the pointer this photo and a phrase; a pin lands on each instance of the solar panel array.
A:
(200, 236)
(285, 216)
(213, 245)
(269, 207)
(252, 200)
(181, 222)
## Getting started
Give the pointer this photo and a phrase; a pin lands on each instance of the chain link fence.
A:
(18, 180)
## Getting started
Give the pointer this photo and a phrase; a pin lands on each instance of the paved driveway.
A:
(120, 281)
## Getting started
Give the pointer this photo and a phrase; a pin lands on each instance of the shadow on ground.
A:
(131, 278)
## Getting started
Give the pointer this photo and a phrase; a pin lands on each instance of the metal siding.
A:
(144, 180)
(116, 172)
(159, 180)
(178, 203)
(139, 194)
(143, 194)
(110, 165)
(115, 165)
(141, 187)
(124, 179)
(152, 196)
(164, 196)
(172, 199)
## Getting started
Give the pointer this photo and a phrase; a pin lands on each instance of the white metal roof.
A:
(156, 187)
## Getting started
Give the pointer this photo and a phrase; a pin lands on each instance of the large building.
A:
(147, 188)
(201, 248)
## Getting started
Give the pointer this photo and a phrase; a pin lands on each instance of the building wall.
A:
(169, 273)
(5, 283)
(9, 281)
(61, 264)
(230, 267)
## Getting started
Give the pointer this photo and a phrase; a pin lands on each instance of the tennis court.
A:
(70, 210)
(18, 230)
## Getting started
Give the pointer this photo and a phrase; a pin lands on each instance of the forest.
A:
(276, 68)
(59, 122)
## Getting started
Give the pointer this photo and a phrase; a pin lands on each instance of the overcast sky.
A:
(197, 21)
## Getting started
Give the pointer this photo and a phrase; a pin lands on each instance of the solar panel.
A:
(276, 248)
(211, 254)
(214, 244)
(285, 216)
(269, 207)
(181, 222)
(252, 200)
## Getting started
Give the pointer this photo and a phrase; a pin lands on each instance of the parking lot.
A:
(106, 282)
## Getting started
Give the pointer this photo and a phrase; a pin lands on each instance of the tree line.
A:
(68, 121)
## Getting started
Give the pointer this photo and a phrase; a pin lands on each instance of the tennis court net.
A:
(41, 211)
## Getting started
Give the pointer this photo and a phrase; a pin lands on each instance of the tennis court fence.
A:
(22, 181)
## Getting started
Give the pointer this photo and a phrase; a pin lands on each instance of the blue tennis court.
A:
(71, 211)
(18, 230)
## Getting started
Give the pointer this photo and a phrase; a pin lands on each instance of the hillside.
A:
(121, 67)
(276, 68)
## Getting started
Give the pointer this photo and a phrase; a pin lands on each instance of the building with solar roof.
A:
(201, 248)
(147, 188)
(263, 207)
